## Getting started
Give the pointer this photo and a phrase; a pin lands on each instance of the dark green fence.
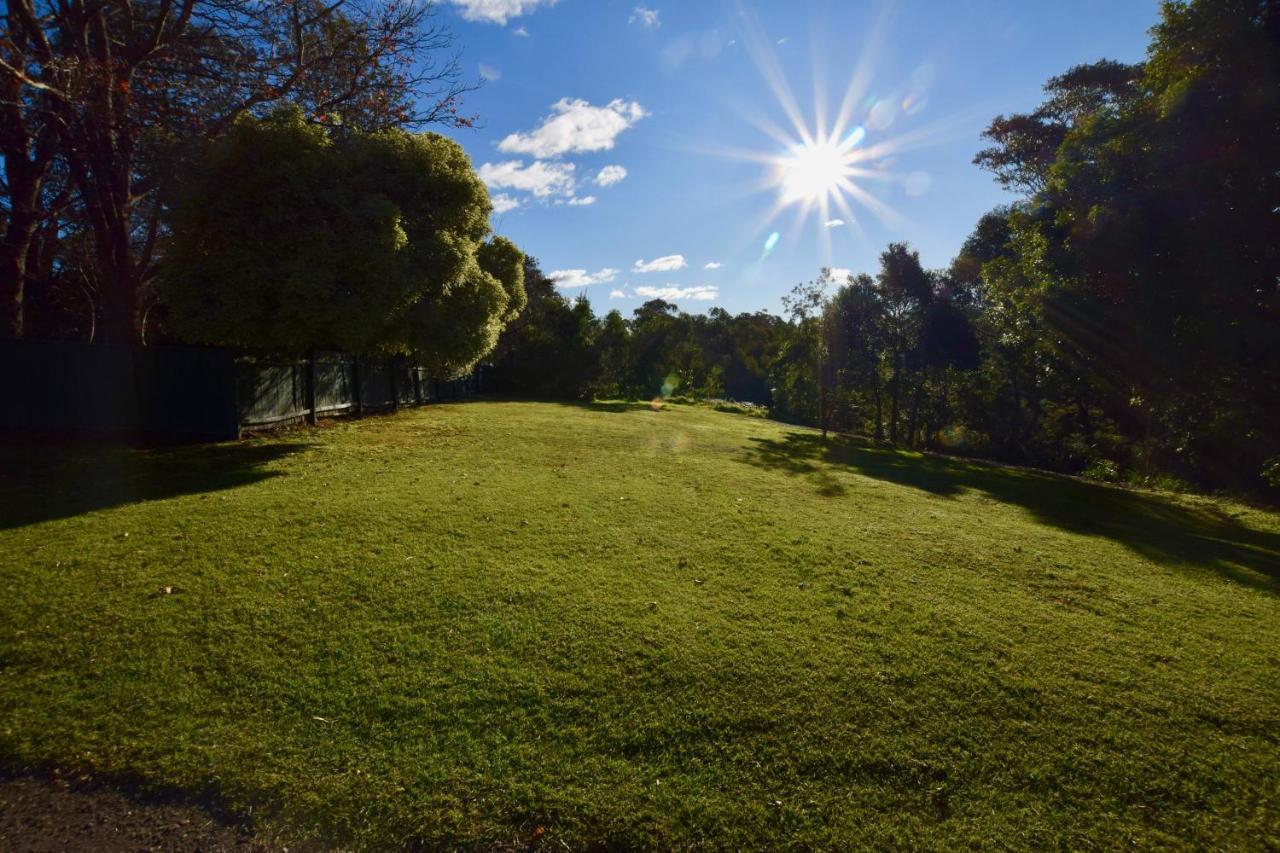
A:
(274, 391)
(170, 393)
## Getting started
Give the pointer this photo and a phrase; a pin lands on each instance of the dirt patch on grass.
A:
(49, 813)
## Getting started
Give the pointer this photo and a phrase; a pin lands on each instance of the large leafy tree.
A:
(294, 236)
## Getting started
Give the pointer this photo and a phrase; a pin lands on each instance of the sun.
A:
(811, 172)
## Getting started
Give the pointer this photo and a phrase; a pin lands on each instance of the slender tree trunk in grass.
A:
(893, 401)
(822, 399)
(913, 419)
(879, 430)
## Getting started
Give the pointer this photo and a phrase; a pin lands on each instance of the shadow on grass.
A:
(615, 406)
(1156, 527)
(42, 483)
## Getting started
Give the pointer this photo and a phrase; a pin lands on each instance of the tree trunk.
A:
(879, 431)
(1086, 422)
(913, 419)
(893, 400)
(13, 275)
(19, 232)
(120, 309)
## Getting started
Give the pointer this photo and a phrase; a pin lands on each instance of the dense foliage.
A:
(292, 236)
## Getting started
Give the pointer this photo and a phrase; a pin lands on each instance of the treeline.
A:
(1121, 320)
(558, 348)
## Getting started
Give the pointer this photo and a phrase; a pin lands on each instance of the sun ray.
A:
(762, 54)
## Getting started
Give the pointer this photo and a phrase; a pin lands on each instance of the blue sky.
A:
(634, 146)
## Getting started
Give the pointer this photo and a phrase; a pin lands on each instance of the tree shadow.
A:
(614, 406)
(1157, 527)
(46, 482)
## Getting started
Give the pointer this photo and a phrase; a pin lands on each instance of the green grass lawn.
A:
(683, 628)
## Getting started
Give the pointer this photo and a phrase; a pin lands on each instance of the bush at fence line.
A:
(288, 237)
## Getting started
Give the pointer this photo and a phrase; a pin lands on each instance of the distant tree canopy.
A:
(294, 236)
(557, 347)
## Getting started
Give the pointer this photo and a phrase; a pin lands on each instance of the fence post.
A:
(356, 390)
(311, 386)
(395, 391)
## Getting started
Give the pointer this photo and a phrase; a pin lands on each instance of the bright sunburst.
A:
(811, 172)
(829, 164)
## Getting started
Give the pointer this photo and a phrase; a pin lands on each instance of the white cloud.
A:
(610, 175)
(712, 265)
(647, 18)
(617, 294)
(522, 32)
(840, 273)
(503, 202)
(497, 11)
(833, 223)
(575, 126)
(541, 179)
(666, 263)
(582, 200)
(488, 72)
(700, 293)
(581, 278)
(784, 39)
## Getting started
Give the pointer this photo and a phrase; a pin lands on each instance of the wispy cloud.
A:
(647, 18)
(610, 175)
(712, 265)
(503, 202)
(580, 201)
(581, 278)
(488, 72)
(617, 294)
(497, 11)
(539, 178)
(575, 126)
(833, 223)
(699, 293)
(521, 31)
(666, 263)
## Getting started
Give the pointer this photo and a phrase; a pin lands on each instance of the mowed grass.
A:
(502, 623)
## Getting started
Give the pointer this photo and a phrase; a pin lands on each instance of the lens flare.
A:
(770, 242)
(669, 385)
